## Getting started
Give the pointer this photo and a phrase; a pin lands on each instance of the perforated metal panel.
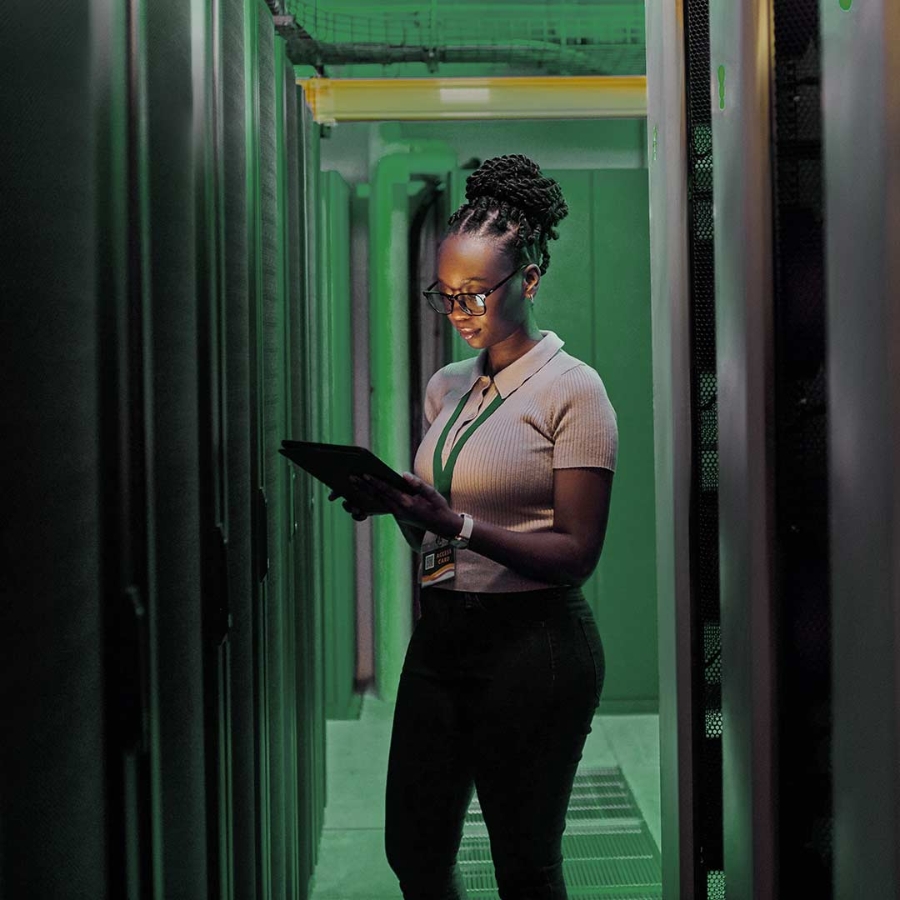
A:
(705, 499)
(802, 508)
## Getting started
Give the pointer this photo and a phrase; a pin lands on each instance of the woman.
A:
(513, 477)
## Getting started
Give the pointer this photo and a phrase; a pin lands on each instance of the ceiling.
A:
(446, 38)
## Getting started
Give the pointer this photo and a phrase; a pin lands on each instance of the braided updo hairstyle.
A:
(509, 198)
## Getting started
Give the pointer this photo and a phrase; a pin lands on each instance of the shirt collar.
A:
(519, 371)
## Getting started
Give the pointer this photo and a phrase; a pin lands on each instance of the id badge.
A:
(438, 561)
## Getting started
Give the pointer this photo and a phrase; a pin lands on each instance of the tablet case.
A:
(333, 464)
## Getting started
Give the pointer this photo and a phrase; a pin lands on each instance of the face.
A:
(473, 264)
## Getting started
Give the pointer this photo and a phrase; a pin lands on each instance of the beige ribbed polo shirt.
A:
(555, 415)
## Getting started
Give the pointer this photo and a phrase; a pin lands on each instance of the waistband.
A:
(543, 603)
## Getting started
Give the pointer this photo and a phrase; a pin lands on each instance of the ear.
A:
(532, 276)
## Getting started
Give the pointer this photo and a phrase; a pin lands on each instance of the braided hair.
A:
(508, 197)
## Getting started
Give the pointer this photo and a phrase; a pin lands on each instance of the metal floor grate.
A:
(608, 852)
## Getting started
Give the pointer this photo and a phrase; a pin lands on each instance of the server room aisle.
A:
(613, 830)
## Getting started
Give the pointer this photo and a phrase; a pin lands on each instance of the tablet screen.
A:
(333, 464)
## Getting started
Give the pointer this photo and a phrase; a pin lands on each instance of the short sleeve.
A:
(583, 422)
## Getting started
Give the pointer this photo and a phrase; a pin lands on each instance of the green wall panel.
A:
(596, 297)
(625, 580)
(566, 300)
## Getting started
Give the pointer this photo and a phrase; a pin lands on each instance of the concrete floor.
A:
(352, 865)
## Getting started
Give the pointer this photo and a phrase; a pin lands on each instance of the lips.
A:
(468, 332)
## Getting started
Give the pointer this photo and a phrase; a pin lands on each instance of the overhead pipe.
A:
(533, 55)
(549, 97)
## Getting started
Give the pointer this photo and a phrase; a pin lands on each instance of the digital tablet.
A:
(333, 464)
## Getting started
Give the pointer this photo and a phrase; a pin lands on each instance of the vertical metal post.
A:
(861, 110)
(740, 48)
(667, 165)
(667, 169)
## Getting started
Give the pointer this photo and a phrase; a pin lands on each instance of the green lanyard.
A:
(443, 477)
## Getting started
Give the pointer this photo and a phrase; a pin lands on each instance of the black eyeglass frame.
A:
(482, 295)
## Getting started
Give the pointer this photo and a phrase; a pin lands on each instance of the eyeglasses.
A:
(470, 304)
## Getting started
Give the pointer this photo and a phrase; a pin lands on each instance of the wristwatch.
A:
(461, 541)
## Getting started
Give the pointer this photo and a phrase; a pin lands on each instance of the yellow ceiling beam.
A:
(379, 99)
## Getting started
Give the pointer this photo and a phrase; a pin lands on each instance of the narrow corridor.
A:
(352, 863)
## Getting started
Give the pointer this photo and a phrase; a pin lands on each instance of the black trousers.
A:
(497, 694)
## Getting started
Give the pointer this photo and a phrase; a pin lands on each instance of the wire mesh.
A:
(566, 38)
(705, 500)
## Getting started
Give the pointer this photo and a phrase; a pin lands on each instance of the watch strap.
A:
(461, 541)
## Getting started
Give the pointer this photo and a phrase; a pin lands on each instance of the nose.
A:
(458, 315)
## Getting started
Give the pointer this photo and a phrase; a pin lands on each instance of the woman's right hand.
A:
(357, 513)
(412, 535)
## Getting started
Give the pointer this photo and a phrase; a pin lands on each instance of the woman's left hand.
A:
(425, 509)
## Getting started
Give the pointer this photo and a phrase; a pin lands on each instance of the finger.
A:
(387, 494)
(382, 488)
(421, 486)
(366, 493)
(415, 482)
(363, 491)
(368, 488)
(382, 495)
(422, 489)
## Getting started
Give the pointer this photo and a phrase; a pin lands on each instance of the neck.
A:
(507, 351)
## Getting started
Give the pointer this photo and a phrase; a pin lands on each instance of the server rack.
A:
(162, 624)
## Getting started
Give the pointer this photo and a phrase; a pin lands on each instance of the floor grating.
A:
(608, 851)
